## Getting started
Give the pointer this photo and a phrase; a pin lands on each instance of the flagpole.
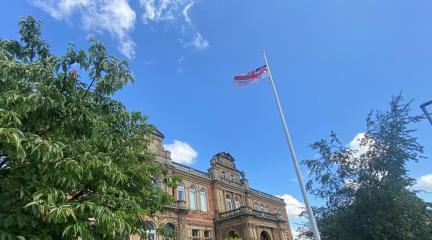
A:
(293, 155)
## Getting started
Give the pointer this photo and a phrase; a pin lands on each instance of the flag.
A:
(251, 76)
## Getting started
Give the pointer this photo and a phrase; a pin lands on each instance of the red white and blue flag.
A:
(251, 76)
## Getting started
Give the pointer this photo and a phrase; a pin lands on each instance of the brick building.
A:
(217, 203)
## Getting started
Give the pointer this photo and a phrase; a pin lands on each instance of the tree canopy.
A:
(73, 161)
(367, 191)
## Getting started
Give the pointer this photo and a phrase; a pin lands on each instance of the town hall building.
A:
(217, 204)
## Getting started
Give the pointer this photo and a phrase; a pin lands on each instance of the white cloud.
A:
(181, 152)
(293, 206)
(113, 16)
(357, 146)
(176, 12)
(424, 183)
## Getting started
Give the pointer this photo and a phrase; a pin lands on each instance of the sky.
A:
(332, 61)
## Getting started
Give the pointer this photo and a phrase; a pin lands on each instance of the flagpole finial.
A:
(262, 50)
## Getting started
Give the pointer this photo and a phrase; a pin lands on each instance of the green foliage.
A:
(235, 238)
(73, 161)
(367, 194)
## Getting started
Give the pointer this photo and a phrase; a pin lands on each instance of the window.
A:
(262, 207)
(169, 229)
(237, 202)
(195, 234)
(149, 231)
(223, 175)
(203, 198)
(180, 192)
(192, 197)
(232, 177)
(257, 206)
(228, 202)
(207, 235)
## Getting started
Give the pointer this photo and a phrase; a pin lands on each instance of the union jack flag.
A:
(251, 76)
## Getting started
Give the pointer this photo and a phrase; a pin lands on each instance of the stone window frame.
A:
(223, 175)
(203, 199)
(209, 237)
(181, 188)
(197, 237)
(192, 197)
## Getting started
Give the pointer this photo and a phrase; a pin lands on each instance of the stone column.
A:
(248, 231)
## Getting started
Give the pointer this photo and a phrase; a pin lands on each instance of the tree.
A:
(367, 191)
(73, 161)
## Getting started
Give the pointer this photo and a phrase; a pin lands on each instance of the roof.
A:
(156, 131)
(224, 155)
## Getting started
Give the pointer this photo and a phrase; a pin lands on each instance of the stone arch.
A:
(265, 236)
(232, 233)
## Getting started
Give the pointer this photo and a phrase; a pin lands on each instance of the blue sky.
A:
(333, 62)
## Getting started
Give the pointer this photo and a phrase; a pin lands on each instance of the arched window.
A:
(180, 192)
(232, 177)
(228, 202)
(262, 207)
(257, 206)
(203, 198)
(149, 231)
(223, 175)
(169, 229)
(237, 202)
(192, 197)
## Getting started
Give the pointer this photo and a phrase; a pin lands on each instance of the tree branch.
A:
(79, 194)
(88, 88)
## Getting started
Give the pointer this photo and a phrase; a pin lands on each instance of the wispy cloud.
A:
(181, 152)
(113, 16)
(199, 42)
(117, 18)
(178, 13)
(186, 12)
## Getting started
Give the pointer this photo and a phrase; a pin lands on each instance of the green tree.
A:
(73, 161)
(367, 192)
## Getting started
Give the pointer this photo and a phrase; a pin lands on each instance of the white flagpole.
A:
(293, 155)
